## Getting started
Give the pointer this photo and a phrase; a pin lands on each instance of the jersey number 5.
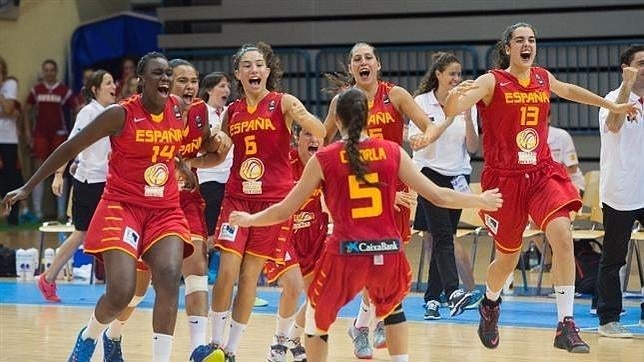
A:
(358, 190)
(529, 116)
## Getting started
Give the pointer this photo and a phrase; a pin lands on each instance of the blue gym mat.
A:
(517, 312)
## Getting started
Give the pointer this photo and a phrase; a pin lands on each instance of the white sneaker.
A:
(614, 330)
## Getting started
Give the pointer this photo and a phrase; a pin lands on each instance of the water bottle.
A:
(533, 257)
(49, 258)
(34, 262)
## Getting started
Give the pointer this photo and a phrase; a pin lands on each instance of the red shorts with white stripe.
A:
(134, 229)
(337, 279)
(544, 193)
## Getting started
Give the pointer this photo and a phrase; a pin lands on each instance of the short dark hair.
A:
(629, 53)
(50, 61)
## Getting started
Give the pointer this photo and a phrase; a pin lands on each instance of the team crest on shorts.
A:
(492, 224)
(131, 237)
(227, 232)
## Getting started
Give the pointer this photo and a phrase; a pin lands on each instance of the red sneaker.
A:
(48, 290)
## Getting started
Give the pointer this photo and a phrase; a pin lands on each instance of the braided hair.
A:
(353, 111)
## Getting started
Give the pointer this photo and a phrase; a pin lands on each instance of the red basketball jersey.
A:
(50, 101)
(361, 212)
(197, 119)
(515, 122)
(141, 167)
(385, 122)
(311, 209)
(261, 167)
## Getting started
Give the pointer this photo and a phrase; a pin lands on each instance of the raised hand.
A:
(491, 200)
(11, 198)
(630, 75)
(406, 199)
(464, 87)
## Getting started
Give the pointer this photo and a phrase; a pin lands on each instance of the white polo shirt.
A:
(621, 163)
(563, 151)
(92, 161)
(448, 154)
(221, 172)
(8, 129)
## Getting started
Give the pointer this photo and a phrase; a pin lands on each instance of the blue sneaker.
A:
(83, 350)
(476, 298)
(209, 353)
(112, 349)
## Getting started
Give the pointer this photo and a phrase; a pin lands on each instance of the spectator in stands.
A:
(128, 68)
(446, 162)
(79, 100)
(621, 189)
(49, 100)
(129, 87)
(563, 151)
(9, 173)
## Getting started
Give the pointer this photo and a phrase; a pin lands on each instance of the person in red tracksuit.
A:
(514, 102)
(359, 176)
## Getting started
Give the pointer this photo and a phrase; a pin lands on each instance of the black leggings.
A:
(10, 178)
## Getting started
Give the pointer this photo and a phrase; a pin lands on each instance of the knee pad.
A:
(196, 283)
(135, 301)
(397, 316)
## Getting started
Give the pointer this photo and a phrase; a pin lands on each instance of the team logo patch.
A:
(131, 237)
(271, 105)
(198, 122)
(385, 99)
(227, 232)
(491, 224)
(539, 79)
(370, 246)
(156, 175)
(251, 170)
(302, 220)
(527, 140)
(177, 111)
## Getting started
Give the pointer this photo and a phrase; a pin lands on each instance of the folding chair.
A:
(633, 247)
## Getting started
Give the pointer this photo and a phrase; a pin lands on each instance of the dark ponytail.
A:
(503, 59)
(92, 85)
(353, 111)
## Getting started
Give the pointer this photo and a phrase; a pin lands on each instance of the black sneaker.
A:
(459, 301)
(489, 323)
(568, 338)
(431, 310)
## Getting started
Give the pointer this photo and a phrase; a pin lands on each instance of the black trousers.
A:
(213, 194)
(442, 224)
(10, 177)
(618, 226)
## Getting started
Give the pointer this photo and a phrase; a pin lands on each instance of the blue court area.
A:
(516, 311)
